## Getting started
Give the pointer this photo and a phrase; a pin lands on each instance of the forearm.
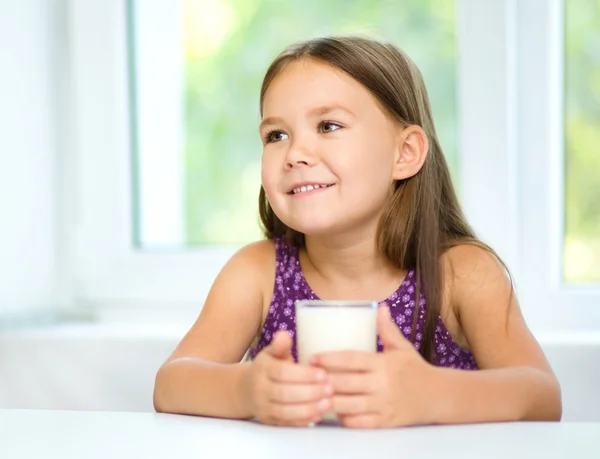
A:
(505, 394)
(199, 387)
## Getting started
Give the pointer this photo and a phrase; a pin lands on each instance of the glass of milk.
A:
(340, 325)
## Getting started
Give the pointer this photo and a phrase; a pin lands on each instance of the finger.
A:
(360, 421)
(351, 383)
(280, 346)
(300, 412)
(292, 423)
(289, 372)
(344, 361)
(352, 404)
(301, 423)
(300, 393)
(389, 332)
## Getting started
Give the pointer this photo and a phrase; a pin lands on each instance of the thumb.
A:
(281, 346)
(389, 332)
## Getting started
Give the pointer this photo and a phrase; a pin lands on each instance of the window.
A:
(198, 69)
(582, 137)
(167, 150)
(552, 290)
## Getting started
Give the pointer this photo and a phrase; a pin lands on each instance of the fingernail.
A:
(328, 389)
(321, 375)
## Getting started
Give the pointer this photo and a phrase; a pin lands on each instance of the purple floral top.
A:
(290, 285)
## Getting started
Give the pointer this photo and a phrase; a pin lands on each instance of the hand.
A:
(282, 392)
(388, 389)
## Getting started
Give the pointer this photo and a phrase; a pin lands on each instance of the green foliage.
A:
(582, 140)
(225, 62)
(230, 43)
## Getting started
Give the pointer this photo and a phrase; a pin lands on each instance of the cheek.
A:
(373, 143)
(268, 176)
(370, 170)
(372, 158)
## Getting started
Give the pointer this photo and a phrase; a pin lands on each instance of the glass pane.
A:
(206, 192)
(582, 138)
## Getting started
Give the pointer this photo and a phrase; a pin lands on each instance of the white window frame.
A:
(553, 303)
(112, 278)
(509, 90)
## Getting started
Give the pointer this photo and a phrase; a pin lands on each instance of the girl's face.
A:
(329, 150)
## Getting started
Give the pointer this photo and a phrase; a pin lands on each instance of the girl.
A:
(357, 203)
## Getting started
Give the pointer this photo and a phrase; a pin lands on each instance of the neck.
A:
(346, 258)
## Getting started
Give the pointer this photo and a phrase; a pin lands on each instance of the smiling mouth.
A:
(305, 188)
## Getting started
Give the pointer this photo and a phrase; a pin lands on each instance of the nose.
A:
(299, 155)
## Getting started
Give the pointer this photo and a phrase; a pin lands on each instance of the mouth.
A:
(309, 187)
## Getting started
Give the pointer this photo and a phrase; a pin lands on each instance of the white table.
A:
(78, 434)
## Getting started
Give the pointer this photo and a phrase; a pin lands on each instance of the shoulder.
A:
(256, 252)
(484, 301)
(255, 260)
(472, 263)
(232, 311)
(246, 273)
(474, 277)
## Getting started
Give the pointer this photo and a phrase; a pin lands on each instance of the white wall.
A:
(30, 267)
(112, 368)
(83, 367)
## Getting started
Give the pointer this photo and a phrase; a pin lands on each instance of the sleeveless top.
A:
(290, 285)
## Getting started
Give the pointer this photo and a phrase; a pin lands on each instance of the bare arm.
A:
(200, 387)
(515, 381)
(204, 375)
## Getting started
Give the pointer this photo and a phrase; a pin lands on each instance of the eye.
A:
(275, 136)
(327, 126)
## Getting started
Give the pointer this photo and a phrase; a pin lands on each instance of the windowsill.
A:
(95, 330)
(569, 337)
(176, 331)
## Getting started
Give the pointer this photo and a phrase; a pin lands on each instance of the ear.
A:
(413, 146)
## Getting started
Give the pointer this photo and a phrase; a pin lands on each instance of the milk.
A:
(325, 326)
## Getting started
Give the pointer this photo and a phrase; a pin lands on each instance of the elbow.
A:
(544, 403)
(553, 412)
(158, 398)
(558, 414)
(156, 401)
(557, 409)
(552, 403)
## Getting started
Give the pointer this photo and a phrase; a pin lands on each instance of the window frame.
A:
(111, 273)
(507, 90)
(551, 303)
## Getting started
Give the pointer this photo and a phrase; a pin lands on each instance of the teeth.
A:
(302, 189)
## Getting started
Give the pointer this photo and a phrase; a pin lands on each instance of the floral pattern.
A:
(290, 285)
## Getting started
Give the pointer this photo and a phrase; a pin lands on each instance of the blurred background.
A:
(131, 169)
(226, 47)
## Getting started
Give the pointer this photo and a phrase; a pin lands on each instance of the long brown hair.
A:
(423, 218)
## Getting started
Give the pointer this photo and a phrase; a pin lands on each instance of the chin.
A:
(311, 226)
(312, 230)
